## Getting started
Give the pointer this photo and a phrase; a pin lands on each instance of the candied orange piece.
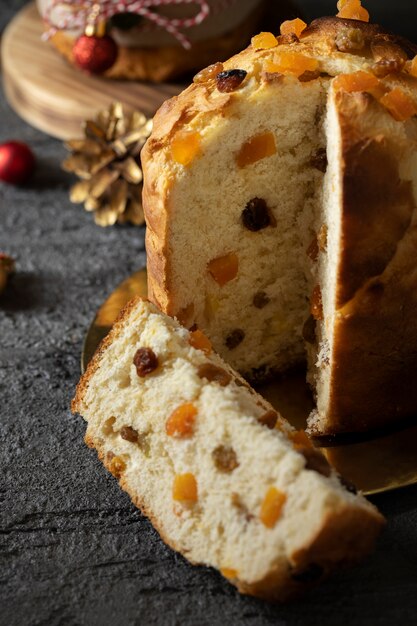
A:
(399, 104)
(255, 149)
(316, 308)
(224, 268)
(228, 572)
(185, 488)
(293, 27)
(185, 146)
(413, 67)
(263, 41)
(180, 423)
(199, 341)
(271, 507)
(358, 81)
(352, 10)
(300, 439)
(289, 62)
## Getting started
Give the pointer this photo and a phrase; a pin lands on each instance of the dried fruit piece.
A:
(214, 374)
(261, 299)
(225, 459)
(129, 434)
(145, 361)
(269, 419)
(7, 266)
(309, 330)
(350, 40)
(293, 27)
(234, 338)
(224, 268)
(272, 506)
(185, 488)
(316, 308)
(208, 73)
(180, 423)
(257, 148)
(117, 466)
(399, 104)
(300, 439)
(264, 41)
(228, 573)
(107, 427)
(358, 81)
(352, 10)
(315, 461)
(290, 62)
(230, 80)
(255, 216)
(199, 341)
(389, 57)
(185, 146)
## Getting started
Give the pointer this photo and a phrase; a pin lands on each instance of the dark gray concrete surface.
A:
(73, 549)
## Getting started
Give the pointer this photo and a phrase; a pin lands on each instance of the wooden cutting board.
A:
(50, 94)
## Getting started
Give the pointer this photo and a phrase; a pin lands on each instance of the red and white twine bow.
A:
(79, 14)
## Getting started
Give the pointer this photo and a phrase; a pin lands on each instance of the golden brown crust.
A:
(375, 336)
(77, 404)
(167, 62)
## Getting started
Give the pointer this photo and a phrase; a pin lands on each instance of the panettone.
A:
(280, 198)
(225, 480)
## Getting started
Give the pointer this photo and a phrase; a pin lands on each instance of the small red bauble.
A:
(95, 54)
(17, 162)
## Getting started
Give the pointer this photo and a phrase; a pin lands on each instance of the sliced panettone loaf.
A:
(280, 197)
(225, 480)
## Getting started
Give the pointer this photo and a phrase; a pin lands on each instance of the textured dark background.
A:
(73, 550)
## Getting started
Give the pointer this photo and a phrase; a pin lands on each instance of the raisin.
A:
(214, 374)
(319, 160)
(230, 80)
(260, 300)
(145, 361)
(315, 461)
(269, 419)
(309, 574)
(309, 330)
(234, 338)
(255, 216)
(129, 434)
(225, 459)
(350, 40)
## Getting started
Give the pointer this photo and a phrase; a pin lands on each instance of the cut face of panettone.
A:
(280, 194)
(225, 480)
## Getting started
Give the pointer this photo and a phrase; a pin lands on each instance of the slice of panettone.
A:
(224, 479)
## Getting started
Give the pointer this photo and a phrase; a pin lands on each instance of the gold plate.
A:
(374, 465)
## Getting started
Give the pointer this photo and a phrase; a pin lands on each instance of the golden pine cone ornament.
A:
(107, 160)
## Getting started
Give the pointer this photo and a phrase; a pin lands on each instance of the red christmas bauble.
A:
(95, 54)
(17, 162)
